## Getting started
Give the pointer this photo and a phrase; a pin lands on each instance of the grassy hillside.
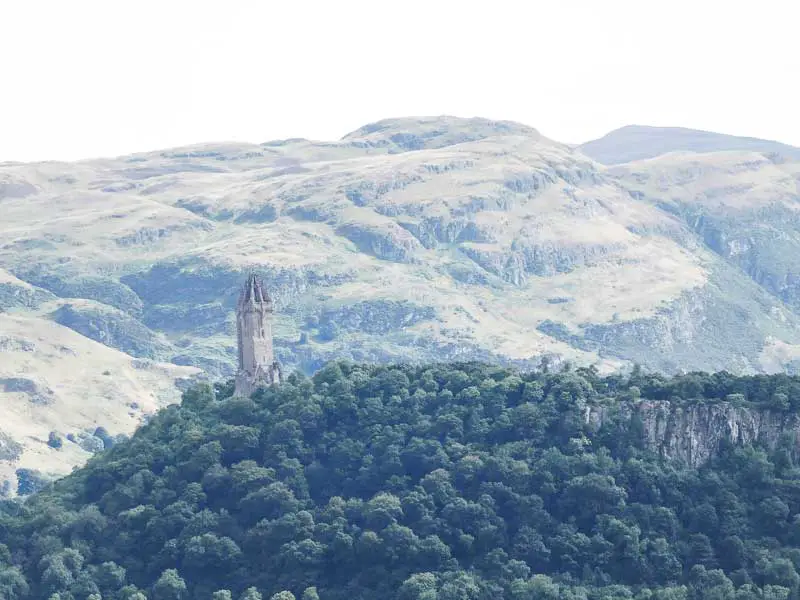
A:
(53, 380)
(415, 239)
(459, 481)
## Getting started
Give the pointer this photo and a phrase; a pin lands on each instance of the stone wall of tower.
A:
(257, 364)
(254, 326)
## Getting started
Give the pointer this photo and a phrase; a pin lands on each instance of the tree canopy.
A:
(441, 482)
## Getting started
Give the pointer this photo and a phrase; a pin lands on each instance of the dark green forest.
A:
(446, 482)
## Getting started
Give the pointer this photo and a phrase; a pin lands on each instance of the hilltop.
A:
(410, 239)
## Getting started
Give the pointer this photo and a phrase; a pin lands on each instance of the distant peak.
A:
(639, 142)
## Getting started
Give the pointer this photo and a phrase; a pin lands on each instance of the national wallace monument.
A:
(257, 364)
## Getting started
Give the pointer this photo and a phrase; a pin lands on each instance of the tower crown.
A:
(254, 293)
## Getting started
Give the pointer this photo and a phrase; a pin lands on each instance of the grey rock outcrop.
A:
(16, 296)
(692, 432)
(36, 393)
(111, 327)
(377, 316)
(10, 449)
(15, 187)
(390, 242)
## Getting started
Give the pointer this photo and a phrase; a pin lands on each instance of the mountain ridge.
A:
(412, 239)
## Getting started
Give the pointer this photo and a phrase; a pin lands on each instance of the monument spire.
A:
(257, 364)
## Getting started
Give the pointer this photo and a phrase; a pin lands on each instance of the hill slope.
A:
(638, 142)
(411, 239)
(53, 380)
(454, 481)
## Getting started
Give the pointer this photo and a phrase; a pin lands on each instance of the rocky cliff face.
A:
(692, 432)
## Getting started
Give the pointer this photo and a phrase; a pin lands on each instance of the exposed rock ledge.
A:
(692, 433)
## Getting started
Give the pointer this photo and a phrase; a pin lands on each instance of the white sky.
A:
(86, 78)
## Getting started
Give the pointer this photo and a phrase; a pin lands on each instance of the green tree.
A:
(13, 585)
(170, 586)
(310, 593)
(420, 586)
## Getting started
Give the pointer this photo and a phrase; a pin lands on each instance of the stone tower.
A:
(257, 364)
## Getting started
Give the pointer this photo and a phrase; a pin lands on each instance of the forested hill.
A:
(448, 482)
